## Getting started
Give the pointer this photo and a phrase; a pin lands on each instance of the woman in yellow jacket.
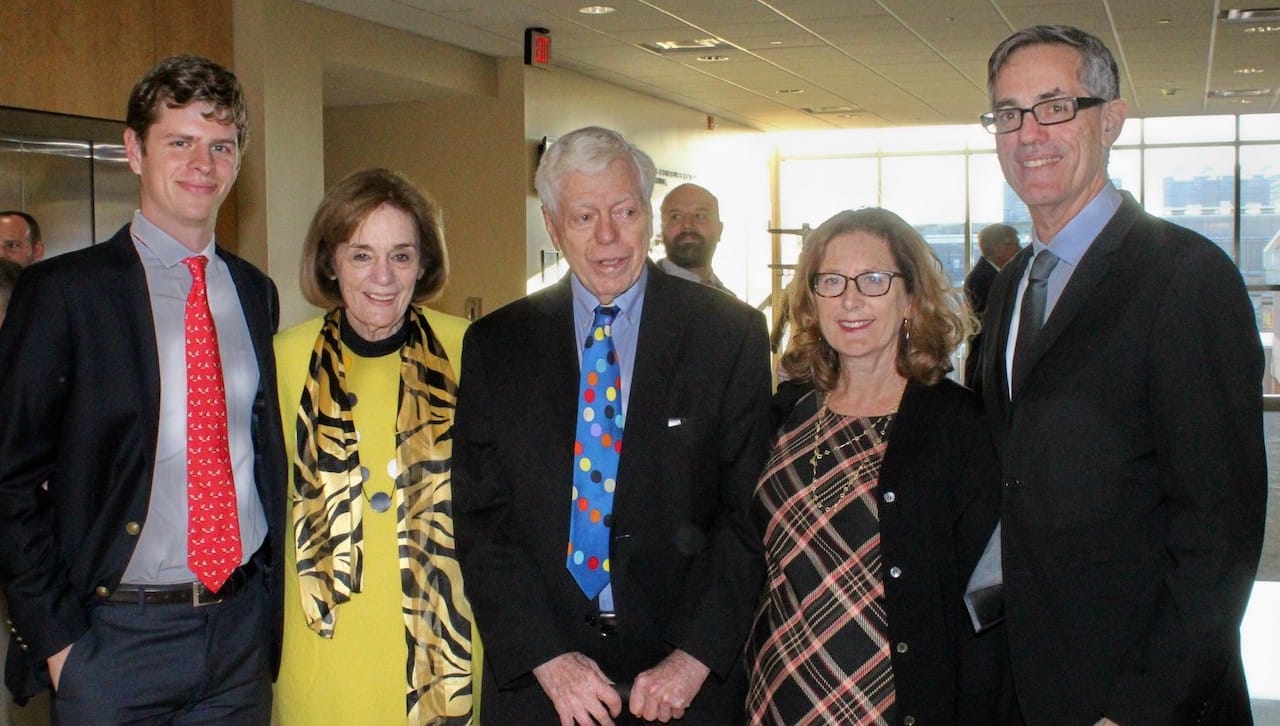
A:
(377, 626)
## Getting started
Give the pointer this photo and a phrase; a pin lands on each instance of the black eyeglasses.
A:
(1047, 113)
(873, 283)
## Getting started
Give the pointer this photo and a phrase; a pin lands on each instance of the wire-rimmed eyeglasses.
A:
(872, 283)
(1047, 113)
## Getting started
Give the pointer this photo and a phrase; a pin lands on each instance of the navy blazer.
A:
(79, 409)
(686, 567)
(1134, 481)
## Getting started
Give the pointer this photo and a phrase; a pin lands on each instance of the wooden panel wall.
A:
(82, 58)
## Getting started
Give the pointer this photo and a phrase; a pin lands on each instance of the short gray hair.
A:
(589, 150)
(1098, 71)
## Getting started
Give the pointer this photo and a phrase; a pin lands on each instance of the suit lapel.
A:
(126, 286)
(1079, 290)
(661, 328)
(558, 354)
(258, 312)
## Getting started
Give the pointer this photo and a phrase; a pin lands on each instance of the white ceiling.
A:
(857, 63)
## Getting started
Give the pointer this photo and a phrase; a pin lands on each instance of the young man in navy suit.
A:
(111, 604)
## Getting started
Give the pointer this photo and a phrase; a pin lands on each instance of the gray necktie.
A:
(1031, 319)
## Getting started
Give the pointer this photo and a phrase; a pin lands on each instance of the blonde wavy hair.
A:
(940, 317)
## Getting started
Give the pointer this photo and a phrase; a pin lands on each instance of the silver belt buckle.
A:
(195, 596)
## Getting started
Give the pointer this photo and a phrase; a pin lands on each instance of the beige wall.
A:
(467, 152)
(283, 48)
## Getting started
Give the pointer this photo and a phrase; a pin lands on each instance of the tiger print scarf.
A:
(328, 502)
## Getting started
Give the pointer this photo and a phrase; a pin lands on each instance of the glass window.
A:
(1259, 215)
(1194, 187)
(1260, 127)
(928, 192)
(992, 201)
(815, 189)
(1125, 171)
(1130, 133)
(1188, 129)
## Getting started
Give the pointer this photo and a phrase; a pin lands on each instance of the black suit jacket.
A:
(686, 567)
(1135, 481)
(79, 409)
(977, 284)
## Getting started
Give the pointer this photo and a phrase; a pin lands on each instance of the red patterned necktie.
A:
(213, 527)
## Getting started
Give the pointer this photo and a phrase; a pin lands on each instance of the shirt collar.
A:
(1070, 244)
(628, 303)
(168, 250)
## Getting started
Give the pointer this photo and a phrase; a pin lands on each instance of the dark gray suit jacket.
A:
(1134, 481)
(686, 566)
(79, 409)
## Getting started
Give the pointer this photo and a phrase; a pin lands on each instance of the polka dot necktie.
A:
(213, 528)
(596, 448)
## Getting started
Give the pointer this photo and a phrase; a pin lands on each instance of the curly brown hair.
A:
(940, 317)
(182, 80)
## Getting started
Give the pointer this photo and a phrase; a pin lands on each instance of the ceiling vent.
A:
(1239, 93)
(1256, 15)
(671, 47)
(833, 110)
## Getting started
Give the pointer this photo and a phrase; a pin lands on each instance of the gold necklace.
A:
(879, 426)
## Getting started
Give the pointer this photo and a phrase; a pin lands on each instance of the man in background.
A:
(1121, 372)
(691, 229)
(142, 471)
(20, 238)
(9, 271)
(608, 436)
(997, 243)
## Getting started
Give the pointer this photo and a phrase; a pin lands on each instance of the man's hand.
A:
(579, 690)
(663, 692)
(55, 662)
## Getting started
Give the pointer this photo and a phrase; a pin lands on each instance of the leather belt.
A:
(194, 594)
(607, 622)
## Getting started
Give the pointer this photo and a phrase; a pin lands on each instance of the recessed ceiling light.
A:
(775, 42)
(1163, 21)
(1239, 92)
(847, 115)
(700, 45)
(712, 58)
(1247, 71)
(596, 10)
(789, 91)
(1263, 29)
(1255, 15)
